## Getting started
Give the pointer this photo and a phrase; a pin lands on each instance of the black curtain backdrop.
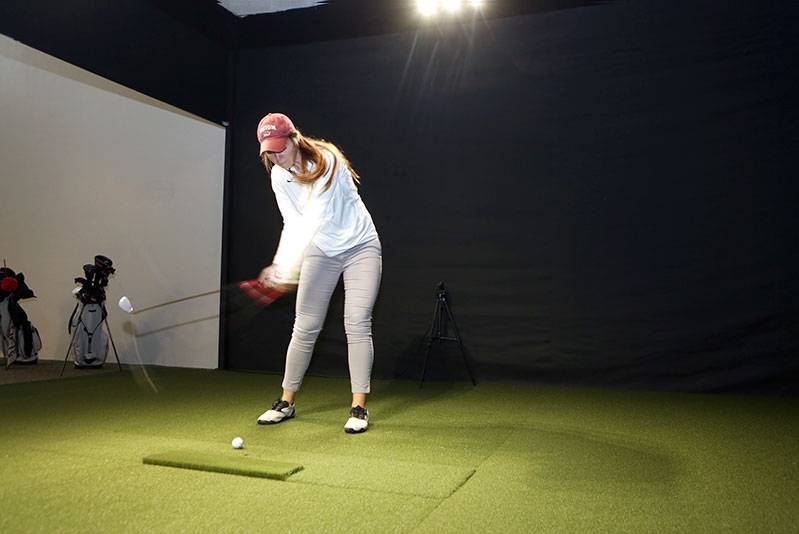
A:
(135, 43)
(608, 194)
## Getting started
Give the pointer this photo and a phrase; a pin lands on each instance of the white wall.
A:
(89, 167)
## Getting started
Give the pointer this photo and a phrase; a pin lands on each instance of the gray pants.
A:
(362, 267)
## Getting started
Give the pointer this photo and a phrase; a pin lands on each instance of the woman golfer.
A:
(327, 233)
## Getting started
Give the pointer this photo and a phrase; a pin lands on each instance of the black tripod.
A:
(442, 319)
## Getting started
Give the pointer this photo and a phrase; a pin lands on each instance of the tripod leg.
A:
(466, 361)
(460, 344)
(426, 359)
(436, 319)
(113, 345)
(425, 337)
(69, 348)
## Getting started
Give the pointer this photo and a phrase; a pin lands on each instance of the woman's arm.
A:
(304, 210)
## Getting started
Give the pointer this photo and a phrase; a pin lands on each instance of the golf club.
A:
(127, 307)
(252, 288)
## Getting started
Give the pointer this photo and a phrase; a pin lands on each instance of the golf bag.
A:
(20, 340)
(89, 340)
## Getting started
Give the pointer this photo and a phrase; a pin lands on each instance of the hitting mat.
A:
(224, 463)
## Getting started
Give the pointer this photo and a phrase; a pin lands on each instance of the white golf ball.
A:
(237, 443)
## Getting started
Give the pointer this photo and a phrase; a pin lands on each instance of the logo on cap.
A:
(267, 130)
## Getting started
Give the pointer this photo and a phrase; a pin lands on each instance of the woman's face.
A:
(287, 157)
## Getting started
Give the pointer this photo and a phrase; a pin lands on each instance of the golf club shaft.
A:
(176, 301)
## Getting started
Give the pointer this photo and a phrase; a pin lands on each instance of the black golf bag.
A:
(19, 338)
(89, 341)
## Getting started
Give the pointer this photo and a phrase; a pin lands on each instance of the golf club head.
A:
(125, 304)
(264, 296)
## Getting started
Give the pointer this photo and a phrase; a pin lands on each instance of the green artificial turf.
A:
(449, 457)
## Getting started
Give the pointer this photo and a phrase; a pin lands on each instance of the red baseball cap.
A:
(273, 132)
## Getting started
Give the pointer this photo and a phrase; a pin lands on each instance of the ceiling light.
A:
(427, 7)
(452, 5)
(242, 8)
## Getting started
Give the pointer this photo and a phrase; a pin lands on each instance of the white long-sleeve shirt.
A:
(334, 220)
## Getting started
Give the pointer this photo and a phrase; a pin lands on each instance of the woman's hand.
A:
(267, 279)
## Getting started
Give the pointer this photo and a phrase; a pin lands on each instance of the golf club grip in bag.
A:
(90, 342)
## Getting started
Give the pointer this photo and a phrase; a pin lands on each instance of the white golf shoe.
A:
(280, 411)
(358, 421)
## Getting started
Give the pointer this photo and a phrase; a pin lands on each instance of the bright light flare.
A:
(430, 7)
(427, 7)
(451, 5)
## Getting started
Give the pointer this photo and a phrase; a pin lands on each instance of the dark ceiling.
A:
(339, 19)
